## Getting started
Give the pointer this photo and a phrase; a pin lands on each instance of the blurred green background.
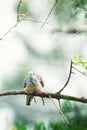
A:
(48, 52)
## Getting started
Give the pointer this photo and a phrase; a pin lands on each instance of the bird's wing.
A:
(40, 80)
(25, 82)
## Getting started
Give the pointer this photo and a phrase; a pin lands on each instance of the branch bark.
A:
(46, 95)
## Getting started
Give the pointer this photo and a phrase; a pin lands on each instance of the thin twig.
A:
(80, 62)
(70, 72)
(9, 31)
(79, 71)
(59, 110)
(46, 95)
(18, 20)
(59, 103)
(18, 10)
(56, 1)
(36, 21)
(81, 5)
(15, 25)
(85, 10)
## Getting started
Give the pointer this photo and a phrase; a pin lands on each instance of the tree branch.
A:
(68, 79)
(46, 95)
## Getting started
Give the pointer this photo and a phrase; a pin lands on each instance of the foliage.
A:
(77, 123)
(66, 106)
(79, 60)
(55, 126)
(70, 9)
(40, 126)
(78, 120)
(19, 126)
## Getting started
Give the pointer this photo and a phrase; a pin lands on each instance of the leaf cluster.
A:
(79, 60)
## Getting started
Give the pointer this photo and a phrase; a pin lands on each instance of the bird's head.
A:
(31, 75)
(32, 80)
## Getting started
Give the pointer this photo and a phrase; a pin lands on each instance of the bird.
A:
(33, 83)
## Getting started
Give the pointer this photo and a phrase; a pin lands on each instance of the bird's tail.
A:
(29, 99)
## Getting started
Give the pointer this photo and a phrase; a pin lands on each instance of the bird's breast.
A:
(30, 90)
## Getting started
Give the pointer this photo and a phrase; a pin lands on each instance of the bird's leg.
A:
(43, 101)
(35, 100)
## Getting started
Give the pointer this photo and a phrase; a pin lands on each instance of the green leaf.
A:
(20, 126)
(66, 106)
(40, 126)
(81, 58)
(55, 126)
(75, 58)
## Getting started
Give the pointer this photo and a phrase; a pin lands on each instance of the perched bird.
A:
(32, 84)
